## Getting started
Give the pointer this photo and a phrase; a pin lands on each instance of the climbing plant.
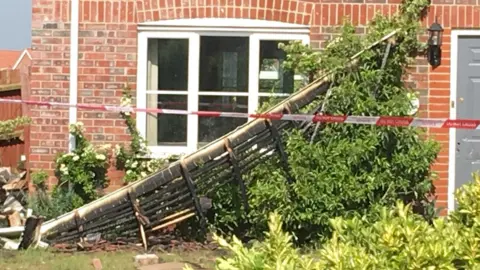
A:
(346, 170)
(133, 159)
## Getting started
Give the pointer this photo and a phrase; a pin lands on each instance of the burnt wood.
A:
(281, 150)
(31, 234)
(193, 192)
(237, 174)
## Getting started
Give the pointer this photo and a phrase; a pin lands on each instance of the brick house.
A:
(203, 43)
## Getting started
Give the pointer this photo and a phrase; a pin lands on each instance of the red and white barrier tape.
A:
(394, 121)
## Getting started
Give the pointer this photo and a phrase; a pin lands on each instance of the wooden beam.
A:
(14, 219)
(142, 220)
(237, 174)
(191, 186)
(191, 214)
(31, 234)
(280, 149)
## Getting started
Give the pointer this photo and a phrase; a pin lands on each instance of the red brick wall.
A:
(108, 56)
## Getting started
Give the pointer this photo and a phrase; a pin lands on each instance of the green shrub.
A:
(51, 205)
(80, 175)
(82, 172)
(395, 239)
(39, 179)
(345, 170)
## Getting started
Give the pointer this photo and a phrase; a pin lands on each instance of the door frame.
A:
(454, 37)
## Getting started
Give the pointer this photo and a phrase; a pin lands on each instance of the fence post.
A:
(25, 95)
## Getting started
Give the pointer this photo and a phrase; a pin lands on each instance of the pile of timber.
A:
(12, 186)
(183, 190)
(14, 214)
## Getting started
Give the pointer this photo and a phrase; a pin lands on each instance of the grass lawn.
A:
(48, 260)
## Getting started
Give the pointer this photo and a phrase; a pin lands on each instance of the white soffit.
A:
(223, 24)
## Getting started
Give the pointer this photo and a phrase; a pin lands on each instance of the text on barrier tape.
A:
(393, 121)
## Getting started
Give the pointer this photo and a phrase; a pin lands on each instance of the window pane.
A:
(211, 128)
(167, 64)
(273, 78)
(224, 64)
(167, 129)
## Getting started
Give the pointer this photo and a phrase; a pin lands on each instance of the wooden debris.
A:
(4, 175)
(18, 183)
(177, 220)
(142, 220)
(11, 204)
(31, 234)
(14, 219)
(8, 244)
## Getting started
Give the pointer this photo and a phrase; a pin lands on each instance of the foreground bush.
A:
(398, 239)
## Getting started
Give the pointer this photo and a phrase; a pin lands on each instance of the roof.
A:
(11, 58)
(26, 52)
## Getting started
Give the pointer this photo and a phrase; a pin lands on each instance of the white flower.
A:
(149, 166)
(100, 157)
(144, 174)
(134, 164)
(76, 128)
(129, 172)
(75, 158)
(105, 146)
(125, 101)
(64, 169)
(117, 149)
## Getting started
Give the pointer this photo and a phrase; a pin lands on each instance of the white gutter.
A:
(73, 93)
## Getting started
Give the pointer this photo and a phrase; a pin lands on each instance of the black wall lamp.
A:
(435, 32)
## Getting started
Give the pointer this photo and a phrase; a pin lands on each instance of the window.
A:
(197, 65)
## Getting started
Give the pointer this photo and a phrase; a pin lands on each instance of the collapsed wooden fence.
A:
(172, 194)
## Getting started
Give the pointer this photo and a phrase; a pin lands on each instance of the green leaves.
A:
(395, 238)
(9, 128)
(133, 159)
(349, 171)
(82, 171)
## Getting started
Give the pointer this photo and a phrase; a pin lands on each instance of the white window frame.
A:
(192, 29)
